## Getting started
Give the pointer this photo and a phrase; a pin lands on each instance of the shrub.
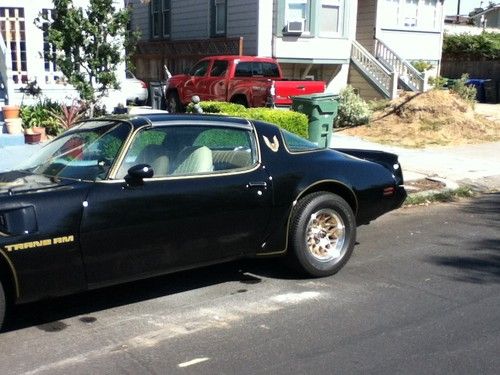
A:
(439, 82)
(353, 110)
(217, 107)
(466, 92)
(292, 121)
(422, 65)
(485, 45)
(41, 114)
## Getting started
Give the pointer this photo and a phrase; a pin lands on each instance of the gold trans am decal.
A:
(40, 243)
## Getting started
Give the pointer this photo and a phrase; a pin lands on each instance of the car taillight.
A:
(144, 85)
(389, 191)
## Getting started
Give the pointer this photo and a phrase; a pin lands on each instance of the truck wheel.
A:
(322, 234)
(2, 305)
(240, 100)
(173, 102)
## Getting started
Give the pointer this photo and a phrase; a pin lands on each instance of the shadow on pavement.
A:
(47, 314)
(481, 264)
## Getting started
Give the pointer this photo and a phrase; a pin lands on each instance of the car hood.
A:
(16, 182)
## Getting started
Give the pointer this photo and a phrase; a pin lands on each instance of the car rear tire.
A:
(322, 234)
(2, 305)
(173, 103)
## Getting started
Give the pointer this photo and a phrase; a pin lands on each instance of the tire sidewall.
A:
(173, 98)
(304, 211)
(2, 305)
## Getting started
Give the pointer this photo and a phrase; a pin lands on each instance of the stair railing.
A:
(407, 73)
(385, 80)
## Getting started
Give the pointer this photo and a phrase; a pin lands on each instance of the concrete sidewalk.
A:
(477, 165)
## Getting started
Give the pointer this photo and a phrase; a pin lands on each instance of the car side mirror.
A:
(136, 175)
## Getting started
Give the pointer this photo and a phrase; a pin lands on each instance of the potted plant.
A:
(14, 125)
(10, 111)
(31, 137)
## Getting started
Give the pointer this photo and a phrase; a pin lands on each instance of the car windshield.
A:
(86, 152)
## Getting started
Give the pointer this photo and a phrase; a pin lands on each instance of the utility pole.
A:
(458, 11)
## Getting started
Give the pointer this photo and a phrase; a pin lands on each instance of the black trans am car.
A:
(118, 199)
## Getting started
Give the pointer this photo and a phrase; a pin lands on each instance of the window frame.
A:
(160, 9)
(313, 22)
(420, 25)
(214, 6)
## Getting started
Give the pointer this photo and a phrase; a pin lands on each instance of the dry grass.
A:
(429, 119)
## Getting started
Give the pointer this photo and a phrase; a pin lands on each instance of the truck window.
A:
(270, 70)
(243, 69)
(219, 68)
(199, 69)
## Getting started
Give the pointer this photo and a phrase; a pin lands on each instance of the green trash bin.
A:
(321, 110)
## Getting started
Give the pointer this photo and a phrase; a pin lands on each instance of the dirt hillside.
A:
(435, 117)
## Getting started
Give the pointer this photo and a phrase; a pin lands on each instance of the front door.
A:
(210, 199)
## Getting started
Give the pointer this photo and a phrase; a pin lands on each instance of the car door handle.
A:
(261, 184)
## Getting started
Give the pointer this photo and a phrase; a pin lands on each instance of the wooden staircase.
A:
(386, 70)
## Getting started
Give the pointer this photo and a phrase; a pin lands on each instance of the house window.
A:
(410, 13)
(415, 14)
(166, 18)
(329, 17)
(160, 18)
(219, 19)
(12, 29)
(298, 10)
(48, 50)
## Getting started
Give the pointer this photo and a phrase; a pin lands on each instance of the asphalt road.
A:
(421, 295)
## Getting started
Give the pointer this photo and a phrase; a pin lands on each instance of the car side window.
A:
(190, 150)
(219, 68)
(243, 69)
(200, 69)
(147, 148)
(231, 148)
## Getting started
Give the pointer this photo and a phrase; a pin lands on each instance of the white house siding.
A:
(411, 43)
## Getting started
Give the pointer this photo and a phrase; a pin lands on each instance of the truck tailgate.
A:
(284, 90)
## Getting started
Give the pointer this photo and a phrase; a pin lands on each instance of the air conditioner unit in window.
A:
(295, 26)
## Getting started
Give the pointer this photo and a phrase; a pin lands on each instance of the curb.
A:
(449, 185)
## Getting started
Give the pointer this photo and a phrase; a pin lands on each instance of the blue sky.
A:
(450, 6)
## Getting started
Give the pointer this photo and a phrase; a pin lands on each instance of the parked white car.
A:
(135, 89)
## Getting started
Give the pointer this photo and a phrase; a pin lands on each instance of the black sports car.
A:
(119, 199)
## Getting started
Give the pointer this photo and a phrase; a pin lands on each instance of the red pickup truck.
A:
(247, 80)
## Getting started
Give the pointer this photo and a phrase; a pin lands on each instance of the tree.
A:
(88, 45)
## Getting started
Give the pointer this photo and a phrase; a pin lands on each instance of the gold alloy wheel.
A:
(325, 235)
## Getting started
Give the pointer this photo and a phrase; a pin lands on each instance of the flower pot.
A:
(14, 125)
(41, 130)
(32, 138)
(10, 111)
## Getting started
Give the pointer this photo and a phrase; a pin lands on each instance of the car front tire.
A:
(173, 102)
(2, 305)
(322, 234)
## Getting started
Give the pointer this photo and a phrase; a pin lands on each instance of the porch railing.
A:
(385, 79)
(408, 75)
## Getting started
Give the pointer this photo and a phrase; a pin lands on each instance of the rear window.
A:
(262, 69)
(243, 69)
(295, 143)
